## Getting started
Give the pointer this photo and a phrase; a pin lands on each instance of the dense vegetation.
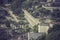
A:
(35, 9)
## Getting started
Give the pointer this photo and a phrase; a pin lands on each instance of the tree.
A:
(56, 15)
(27, 28)
(42, 37)
(53, 33)
(1, 2)
(4, 30)
(27, 4)
(17, 4)
(35, 28)
(4, 35)
(56, 27)
(3, 15)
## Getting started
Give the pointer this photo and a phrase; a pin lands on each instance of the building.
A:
(36, 36)
(52, 4)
